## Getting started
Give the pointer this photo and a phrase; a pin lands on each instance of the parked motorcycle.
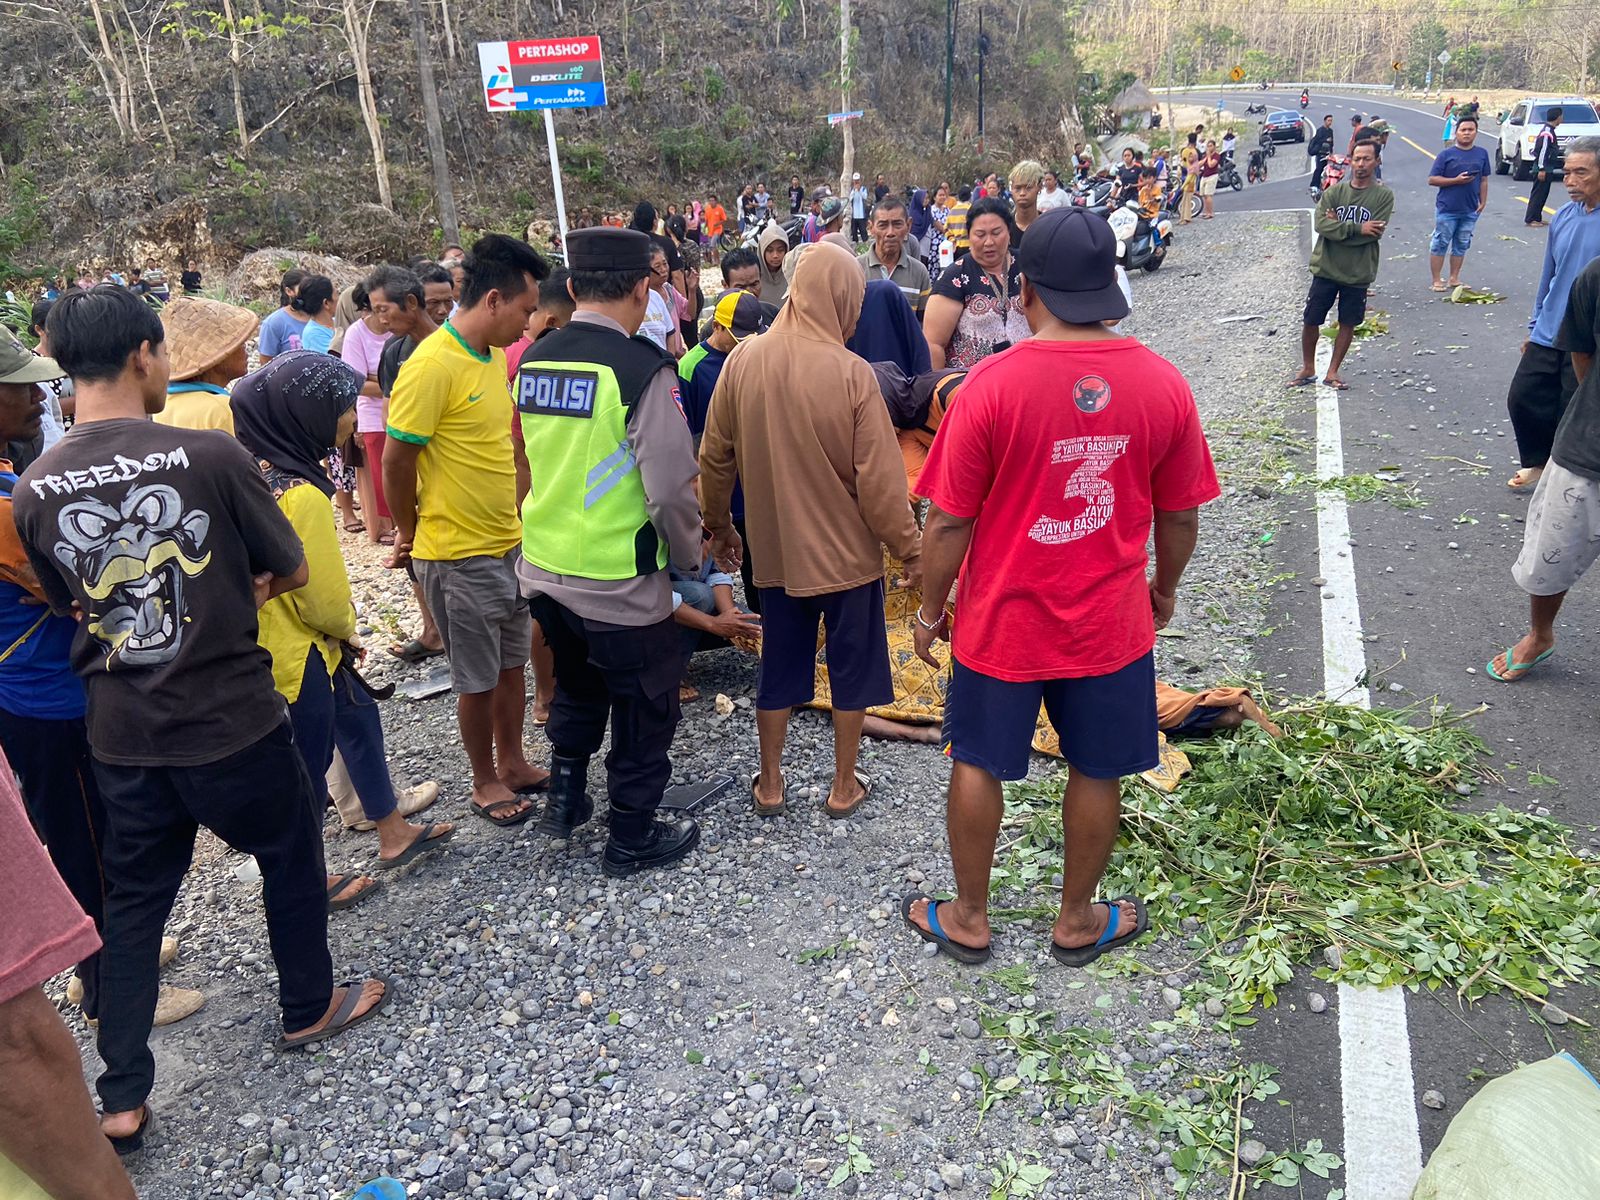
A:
(1255, 110)
(1135, 249)
(1228, 175)
(1256, 169)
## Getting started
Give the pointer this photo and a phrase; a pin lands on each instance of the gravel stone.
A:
(1252, 1152)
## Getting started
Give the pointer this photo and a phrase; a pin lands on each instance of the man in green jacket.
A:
(1351, 218)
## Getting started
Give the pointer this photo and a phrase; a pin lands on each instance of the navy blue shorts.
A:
(857, 654)
(1107, 723)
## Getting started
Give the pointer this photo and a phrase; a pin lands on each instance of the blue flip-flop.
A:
(1513, 665)
(1082, 956)
(935, 933)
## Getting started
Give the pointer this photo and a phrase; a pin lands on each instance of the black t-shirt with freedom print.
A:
(157, 534)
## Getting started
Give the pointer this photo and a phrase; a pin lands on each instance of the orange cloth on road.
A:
(1173, 705)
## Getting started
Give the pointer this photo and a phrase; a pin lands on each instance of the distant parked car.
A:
(1284, 126)
(1514, 150)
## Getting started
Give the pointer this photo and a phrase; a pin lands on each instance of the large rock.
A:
(256, 278)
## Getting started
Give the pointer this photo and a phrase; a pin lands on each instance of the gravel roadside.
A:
(755, 1021)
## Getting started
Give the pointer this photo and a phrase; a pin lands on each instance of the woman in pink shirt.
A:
(363, 346)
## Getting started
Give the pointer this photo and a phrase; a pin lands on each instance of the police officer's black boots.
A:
(568, 805)
(643, 841)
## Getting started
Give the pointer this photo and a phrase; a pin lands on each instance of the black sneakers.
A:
(666, 840)
(568, 805)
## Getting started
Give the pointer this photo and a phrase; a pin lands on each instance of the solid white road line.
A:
(1382, 1147)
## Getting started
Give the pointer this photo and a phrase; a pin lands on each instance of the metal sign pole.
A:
(555, 176)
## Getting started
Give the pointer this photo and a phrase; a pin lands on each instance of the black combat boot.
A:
(569, 805)
(640, 842)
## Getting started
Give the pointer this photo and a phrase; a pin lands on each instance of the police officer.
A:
(610, 503)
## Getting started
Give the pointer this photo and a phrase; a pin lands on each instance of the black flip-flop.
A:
(1337, 385)
(414, 651)
(486, 811)
(1082, 956)
(533, 789)
(972, 955)
(340, 882)
(420, 845)
(132, 1143)
(849, 810)
(342, 1018)
(769, 810)
(1301, 381)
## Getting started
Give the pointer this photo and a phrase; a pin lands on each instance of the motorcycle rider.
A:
(1305, 97)
(1319, 147)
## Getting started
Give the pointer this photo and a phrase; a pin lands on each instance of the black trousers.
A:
(747, 572)
(1540, 389)
(51, 759)
(1539, 193)
(629, 674)
(858, 229)
(261, 802)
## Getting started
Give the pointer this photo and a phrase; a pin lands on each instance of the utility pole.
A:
(949, 63)
(983, 53)
(844, 98)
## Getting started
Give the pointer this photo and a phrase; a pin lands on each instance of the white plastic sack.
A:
(1533, 1135)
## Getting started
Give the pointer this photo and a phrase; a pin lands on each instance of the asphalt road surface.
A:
(1434, 584)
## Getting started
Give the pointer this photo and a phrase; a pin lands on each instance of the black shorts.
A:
(1352, 302)
(857, 648)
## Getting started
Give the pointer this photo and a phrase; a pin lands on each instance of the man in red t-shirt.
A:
(1046, 478)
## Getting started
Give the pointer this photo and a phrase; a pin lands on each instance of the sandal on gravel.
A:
(514, 817)
(132, 1143)
(1335, 383)
(1082, 956)
(342, 1018)
(340, 882)
(839, 814)
(422, 844)
(1301, 381)
(935, 933)
(414, 651)
(769, 810)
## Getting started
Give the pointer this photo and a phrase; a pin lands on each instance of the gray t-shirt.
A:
(157, 533)
(1577, 444)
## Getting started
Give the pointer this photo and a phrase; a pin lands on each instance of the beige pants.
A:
(344, 792)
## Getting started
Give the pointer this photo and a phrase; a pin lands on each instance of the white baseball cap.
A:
(857, 175)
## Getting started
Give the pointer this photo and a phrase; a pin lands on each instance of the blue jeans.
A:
(696, 595)
(1452, 233)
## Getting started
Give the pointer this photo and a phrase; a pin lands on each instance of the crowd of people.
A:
(575, 473)
(588, 468)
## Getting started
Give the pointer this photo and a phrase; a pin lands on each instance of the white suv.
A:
(1514, 151)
